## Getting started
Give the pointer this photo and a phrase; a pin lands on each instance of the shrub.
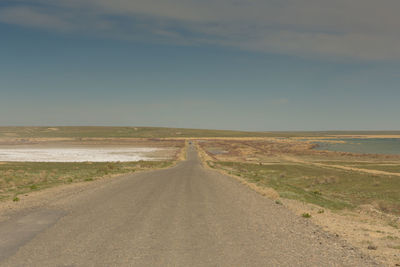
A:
(316, 192)
(33, 187)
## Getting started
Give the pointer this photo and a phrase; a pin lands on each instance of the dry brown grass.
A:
(181, 153)
(208, 163)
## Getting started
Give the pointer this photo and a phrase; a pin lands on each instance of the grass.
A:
(327, 187)
(151, 132)
(394, 224)
(119, 132)
(24, 177)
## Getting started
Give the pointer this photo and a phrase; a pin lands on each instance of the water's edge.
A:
(363, 146)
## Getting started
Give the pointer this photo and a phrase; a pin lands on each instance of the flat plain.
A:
(354, 196)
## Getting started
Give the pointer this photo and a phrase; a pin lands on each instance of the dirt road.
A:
(182, 216)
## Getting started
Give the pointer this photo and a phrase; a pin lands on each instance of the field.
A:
(333, 180)
(117, 132)
(327, 187)
(19, 178)
(355, 196)
(296, 171)
(156, 132)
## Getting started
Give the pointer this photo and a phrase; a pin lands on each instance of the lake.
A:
(359, 145)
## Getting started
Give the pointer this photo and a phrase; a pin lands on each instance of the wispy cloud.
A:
(27, 16)
(357, 29)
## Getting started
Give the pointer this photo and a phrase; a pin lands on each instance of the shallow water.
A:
(358, 145)
(78, 154)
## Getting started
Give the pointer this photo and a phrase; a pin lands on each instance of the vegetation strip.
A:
(24, 177)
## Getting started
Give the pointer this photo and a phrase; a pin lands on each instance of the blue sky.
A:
(227, 64)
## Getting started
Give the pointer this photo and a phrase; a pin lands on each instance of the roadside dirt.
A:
(364, 228)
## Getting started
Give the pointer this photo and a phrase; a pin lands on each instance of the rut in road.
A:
(181, 216)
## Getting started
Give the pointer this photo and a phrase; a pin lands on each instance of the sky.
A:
(257, 65)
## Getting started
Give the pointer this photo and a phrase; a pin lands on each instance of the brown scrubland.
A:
(356, 196)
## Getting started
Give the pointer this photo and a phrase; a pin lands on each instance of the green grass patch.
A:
(327, 187)
(23, 177)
